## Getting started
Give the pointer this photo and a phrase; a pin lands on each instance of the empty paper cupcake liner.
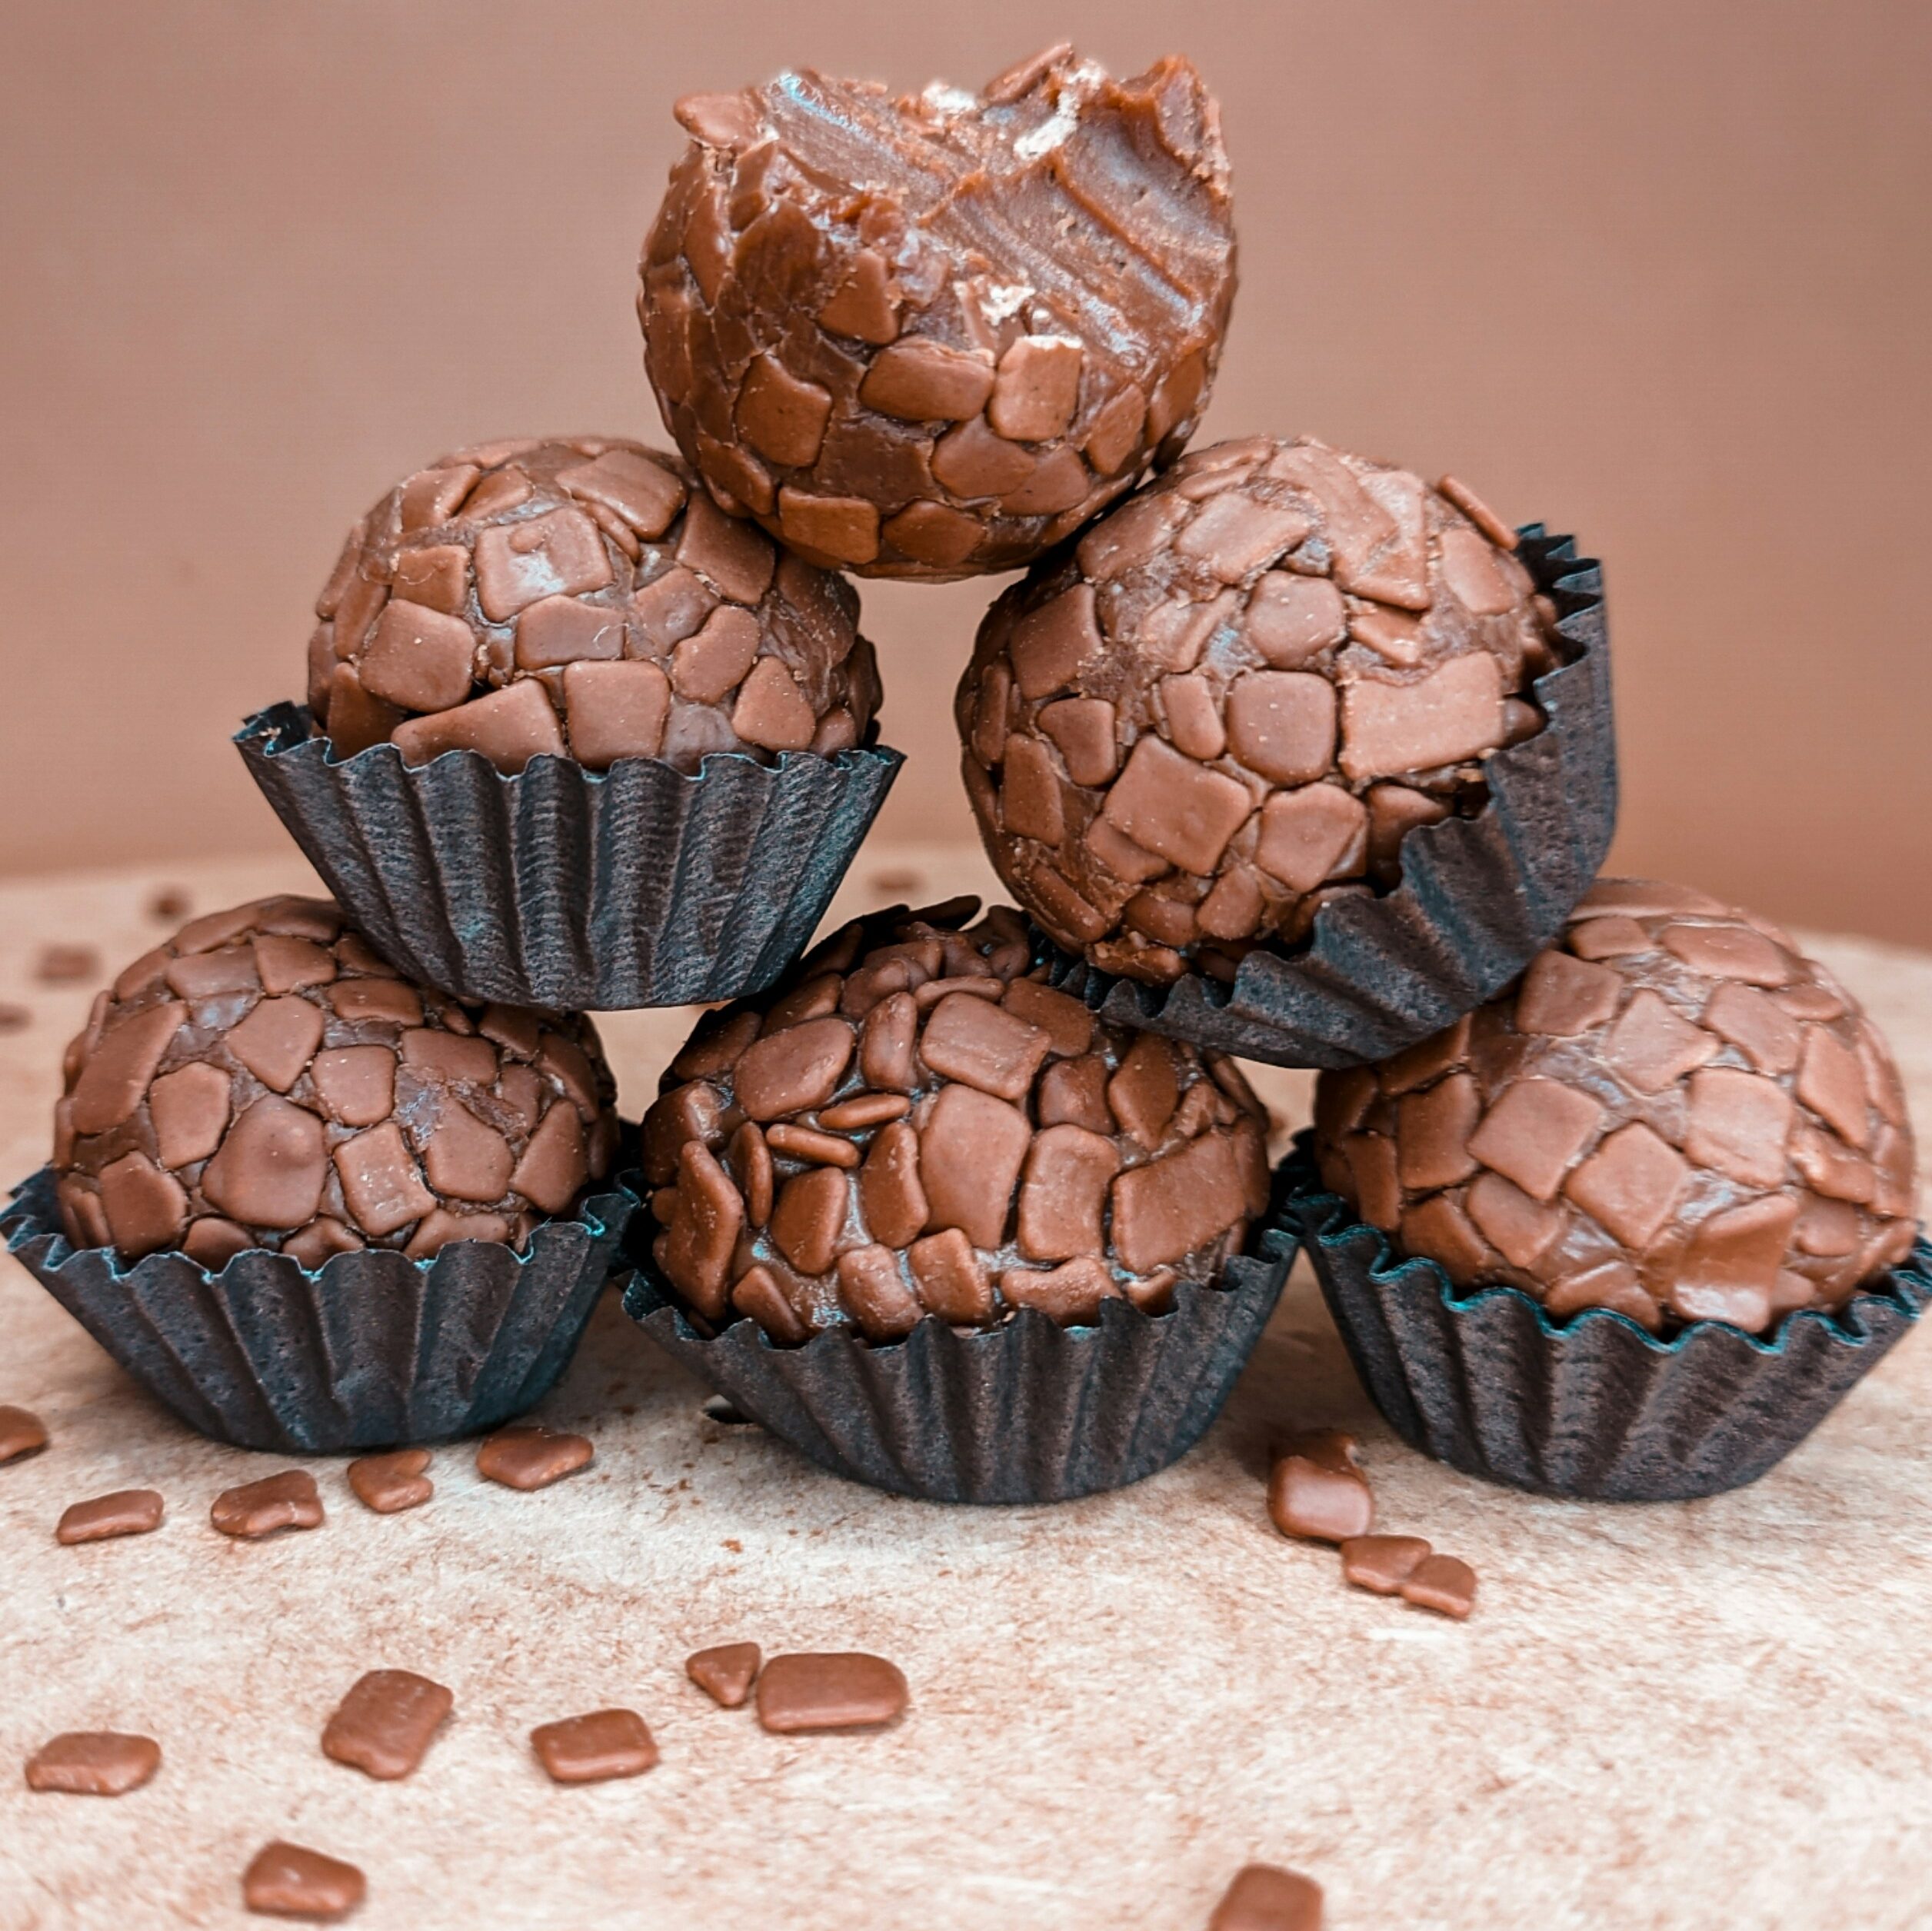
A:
(1027, 1412)
(569, 888)
(372, 1350)
(1593, 1406)
(1478, 897)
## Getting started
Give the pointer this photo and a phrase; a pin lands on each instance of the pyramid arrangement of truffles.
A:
(1278, 749)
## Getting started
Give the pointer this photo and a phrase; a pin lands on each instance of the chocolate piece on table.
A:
(1674, 1114)
(67, 965)
(21, 1434)
(1319, 1501)
(127, 1511)
(1382, 1564)
(580, 597)
(848, 1690)
(918, 1124)
(285, 1881)
(1265, 1898)
(1443, 1583)
(277, 1502)
(1226, 704)
(725, 1673)
(390, 1484)
(14, 1019)
(607, 1743)
(386, 1723)
(93, 1763)
(905, 335)
(528, 1457)
(169, 905)
(263, 1078)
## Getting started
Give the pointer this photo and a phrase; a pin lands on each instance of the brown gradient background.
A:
(1655, 271)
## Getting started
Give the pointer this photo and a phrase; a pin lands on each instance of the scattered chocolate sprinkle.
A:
(1265, 1898)
(842, 1691)
(390, 1484)
(1382, 1564)
(386, 1723)
(93, 1763)
(591, 1750)
(1319, 1500)
(532, 1456)
(1443, 1583)
(14, 1019)
(127, 1511)
(277, 1502)
(725, 1672)
(21, 1434)
(170, 905)
(67, 965)
(285, 1881)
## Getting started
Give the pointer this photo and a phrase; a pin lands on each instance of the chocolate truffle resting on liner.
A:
(1632, 1228)
(1318, 754)
(930, 336)
(574, 737)
(897, 1200)
(312, 1205)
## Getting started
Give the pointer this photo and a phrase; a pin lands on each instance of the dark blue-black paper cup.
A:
(563, 887)
(1593, 1406)
(1028, 1412)
(370, 1351)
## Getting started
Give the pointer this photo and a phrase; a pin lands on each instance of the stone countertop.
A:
(1716, 1713)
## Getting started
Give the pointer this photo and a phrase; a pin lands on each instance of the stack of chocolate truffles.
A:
(1281, 751)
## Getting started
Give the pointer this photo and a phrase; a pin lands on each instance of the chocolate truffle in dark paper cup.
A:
(932, 1222)
(312, 1205)
(574, 737)
(1293, 755)
(929, 337)
(1630, 1229)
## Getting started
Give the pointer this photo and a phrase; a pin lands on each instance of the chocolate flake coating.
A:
(1675, 1114)
(579, 598)
(264, 1079)
(930, 336)
(1228, 704)
(914, 1123)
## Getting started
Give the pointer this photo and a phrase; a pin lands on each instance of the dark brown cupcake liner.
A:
(568, 888)
(372, 1350)
(1478, 897)
(1028, 1412)
(1595, 1407)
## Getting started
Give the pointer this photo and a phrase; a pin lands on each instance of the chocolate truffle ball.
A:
(1228, 704)
(578, 598)
(929, 337)
(264, 1079)
(1674, 1113)
(916, 1124)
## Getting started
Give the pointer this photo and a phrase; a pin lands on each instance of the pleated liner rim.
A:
(1594, 1407)
(567, 888)
(1478, 897)
(1026, 1412)
(370, 1351)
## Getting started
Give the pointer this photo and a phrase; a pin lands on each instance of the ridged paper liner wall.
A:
(568, 888)
(372, 1351)
(1596, 1407)
(1478, 897)
(1028, 1412)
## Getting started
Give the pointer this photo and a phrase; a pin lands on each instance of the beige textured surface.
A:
(1714, 1714)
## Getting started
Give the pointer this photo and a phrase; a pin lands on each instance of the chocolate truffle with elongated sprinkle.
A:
(914, 1123)
(1674, 1113)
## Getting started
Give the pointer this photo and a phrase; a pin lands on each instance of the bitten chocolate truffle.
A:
(1229, 702)
(1675, 1114)
(916, 1124)
(264, 1079)
(930, 336)
(576, 597)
